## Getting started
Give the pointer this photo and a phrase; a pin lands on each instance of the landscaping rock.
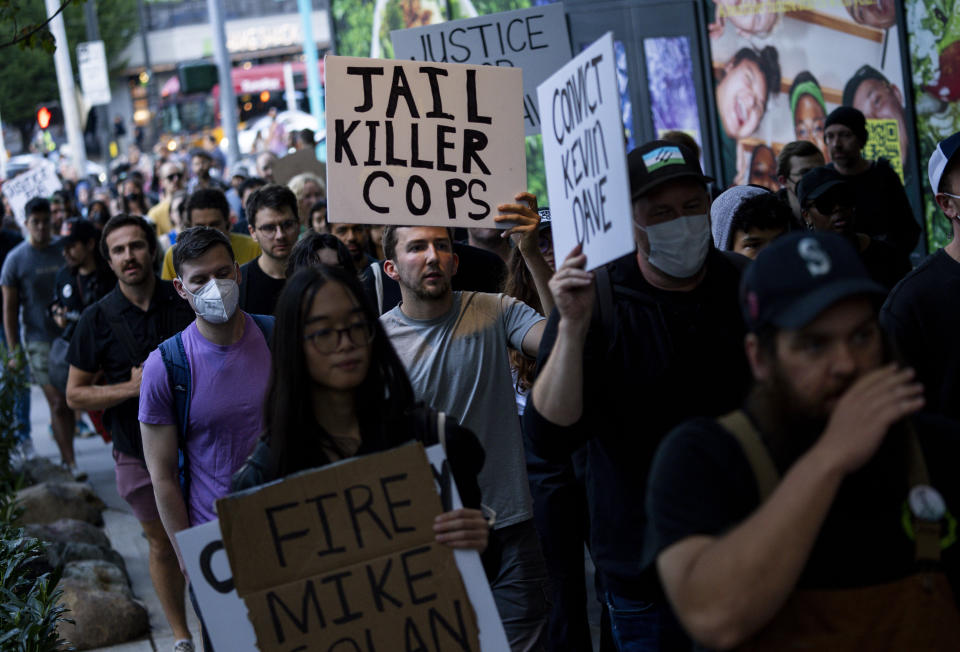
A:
(68, 530)
(52, 501)
(39, 469)
(101, 605)
(64, 553)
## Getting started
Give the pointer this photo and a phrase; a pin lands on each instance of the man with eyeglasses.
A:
(828, 204)
(273, 222)
(921, 313)
(171, 180)
(795, 160)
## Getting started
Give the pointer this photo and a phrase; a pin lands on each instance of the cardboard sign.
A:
(291, 165)
(39, 181)
(422, 143)
(586, 164)
(224, 613)
(346, 555)
(534, 40)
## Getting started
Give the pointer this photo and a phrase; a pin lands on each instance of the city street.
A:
(94, 457)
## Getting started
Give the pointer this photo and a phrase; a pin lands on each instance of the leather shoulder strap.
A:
(765, 472)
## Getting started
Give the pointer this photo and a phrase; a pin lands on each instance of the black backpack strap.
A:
(175, 360)
(605, 301)
(265, 324)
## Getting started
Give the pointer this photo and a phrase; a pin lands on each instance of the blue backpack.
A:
(178, 371)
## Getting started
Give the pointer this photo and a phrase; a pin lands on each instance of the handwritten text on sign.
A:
(534, 40)
(418, 143)
(583, 151)
(347, 553)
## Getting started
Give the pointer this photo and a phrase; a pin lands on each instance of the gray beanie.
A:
(723, 208)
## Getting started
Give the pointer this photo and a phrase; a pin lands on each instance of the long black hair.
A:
(382, 398)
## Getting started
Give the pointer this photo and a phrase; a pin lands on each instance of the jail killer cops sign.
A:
(583, 150)
(344, 559)
(422, 143)
(534, 40)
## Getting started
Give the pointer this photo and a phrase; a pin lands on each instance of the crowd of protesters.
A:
(748, 423)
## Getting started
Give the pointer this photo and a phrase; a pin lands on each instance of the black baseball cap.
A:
(78, 229)
(816, 183)
(800, 275)
(657, 161)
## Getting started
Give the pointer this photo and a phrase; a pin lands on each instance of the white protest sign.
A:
(492, 635)
(422, 143)
(224, 613)
(534, 40)
(38, 181)
(92, 64)
(587, 180)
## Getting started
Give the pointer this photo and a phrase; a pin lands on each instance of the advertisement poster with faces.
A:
(933, 32)
(781, 67)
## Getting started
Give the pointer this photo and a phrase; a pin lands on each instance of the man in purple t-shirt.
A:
(229, 360)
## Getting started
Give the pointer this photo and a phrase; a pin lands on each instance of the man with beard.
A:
(201, 163)
(356, 238)
(274, 224)
(818, 516)
(113, 338)
(882, 208)
(454, 346)
(827, 204)
(661, 346)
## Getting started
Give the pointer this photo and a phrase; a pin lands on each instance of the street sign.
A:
(92, 62)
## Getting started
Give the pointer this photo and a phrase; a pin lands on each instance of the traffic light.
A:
(43, 117)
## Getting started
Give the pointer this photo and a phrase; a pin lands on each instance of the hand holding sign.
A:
(572, 289)
(523, 217)
(462, 528)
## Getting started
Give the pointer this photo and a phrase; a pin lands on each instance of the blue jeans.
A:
(639, 626)
(21, 406)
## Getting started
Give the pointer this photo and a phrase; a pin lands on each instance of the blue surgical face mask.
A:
(679, 246)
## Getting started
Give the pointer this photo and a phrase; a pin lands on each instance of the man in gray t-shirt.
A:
(28, 284)
(454, 346)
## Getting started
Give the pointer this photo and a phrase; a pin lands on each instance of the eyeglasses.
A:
(949, 195)
(176, 176)
(326, 340)
(271, 229)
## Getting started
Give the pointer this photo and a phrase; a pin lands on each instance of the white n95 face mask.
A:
(217, 300)
(679, 247)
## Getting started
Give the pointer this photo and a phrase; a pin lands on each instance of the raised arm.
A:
(558, 390)
(527, 238)
(725, 589)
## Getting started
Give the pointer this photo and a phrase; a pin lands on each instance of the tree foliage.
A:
(29, 77)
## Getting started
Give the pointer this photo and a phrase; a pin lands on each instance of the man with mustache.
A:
(114, 337)
(819, 515)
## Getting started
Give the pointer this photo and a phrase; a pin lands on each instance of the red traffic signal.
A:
(43, 117)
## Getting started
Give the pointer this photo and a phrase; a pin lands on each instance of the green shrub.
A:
(30, 607)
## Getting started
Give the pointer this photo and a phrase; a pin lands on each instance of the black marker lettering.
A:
(400, 88)
(367, 72)
(278, 539)
(380, 174)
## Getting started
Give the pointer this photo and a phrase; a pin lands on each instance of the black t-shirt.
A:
(702, 484)
(478, 271)
(258, 291)
(670, 356)
(884, 263)
(96, 346)
(75, 291)
(882, 208)
(923, 317)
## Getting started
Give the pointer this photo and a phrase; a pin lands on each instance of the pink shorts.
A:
(134, 486)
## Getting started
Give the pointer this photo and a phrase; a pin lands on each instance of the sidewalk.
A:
(94, 456)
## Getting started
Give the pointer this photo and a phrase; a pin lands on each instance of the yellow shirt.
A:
(160, 215)
(245, 249)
